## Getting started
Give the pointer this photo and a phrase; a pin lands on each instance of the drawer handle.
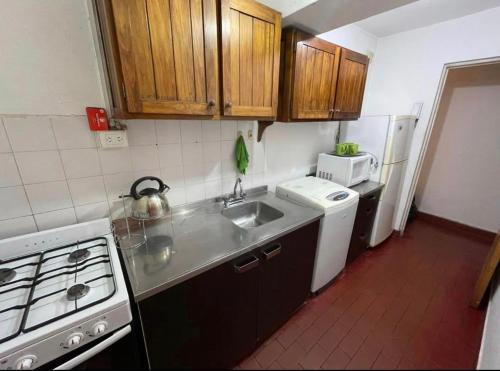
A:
(248, 265)
(272, 251)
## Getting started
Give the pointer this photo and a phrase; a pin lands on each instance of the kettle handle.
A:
(133, 190)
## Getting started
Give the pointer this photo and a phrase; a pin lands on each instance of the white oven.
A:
(347, 171)
(64, 297)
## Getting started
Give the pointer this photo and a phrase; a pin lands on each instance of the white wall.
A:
(460, 178)
(47, 58)
(51, 171)
(352, 37)
(407, 68)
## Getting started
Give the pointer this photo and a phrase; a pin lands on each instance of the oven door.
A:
(117, 350)
(95, 350)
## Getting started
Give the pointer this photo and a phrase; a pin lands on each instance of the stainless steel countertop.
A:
(367, 187)
(200, 238)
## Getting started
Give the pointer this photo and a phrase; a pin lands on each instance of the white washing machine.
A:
(339, 204)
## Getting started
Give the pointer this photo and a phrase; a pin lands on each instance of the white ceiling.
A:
(422, 13)
(286, 7)
(325, 15)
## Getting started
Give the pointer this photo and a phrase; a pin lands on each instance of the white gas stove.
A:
(59, 290)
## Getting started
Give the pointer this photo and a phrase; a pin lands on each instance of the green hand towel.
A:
(242, 157)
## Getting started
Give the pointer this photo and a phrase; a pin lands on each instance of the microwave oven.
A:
(346, 171)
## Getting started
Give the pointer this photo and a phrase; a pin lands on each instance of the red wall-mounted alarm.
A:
(98, 119)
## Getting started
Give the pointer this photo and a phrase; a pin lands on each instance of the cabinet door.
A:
(251, 35)
(238, 294)
(168, 55)
(363, 224)
(351, 85)
(316, 70)
(207, 322)
(286, 277)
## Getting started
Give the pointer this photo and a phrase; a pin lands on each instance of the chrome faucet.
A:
(234, 197)
(242, 194)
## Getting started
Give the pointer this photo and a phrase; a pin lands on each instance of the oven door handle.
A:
(94, 350)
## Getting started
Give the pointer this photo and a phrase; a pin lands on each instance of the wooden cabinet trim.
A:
(112, 59)
(256, 9)
(302, 37)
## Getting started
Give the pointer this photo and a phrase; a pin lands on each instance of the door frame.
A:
(428, 131)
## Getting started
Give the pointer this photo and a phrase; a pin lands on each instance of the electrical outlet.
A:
(113, 139)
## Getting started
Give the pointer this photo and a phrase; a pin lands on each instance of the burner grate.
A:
(79, 261)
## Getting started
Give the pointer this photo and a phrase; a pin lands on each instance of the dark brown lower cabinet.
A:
(363, 224)
(285, 282)
(219, 317)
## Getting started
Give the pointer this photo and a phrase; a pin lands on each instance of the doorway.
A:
(458, 175)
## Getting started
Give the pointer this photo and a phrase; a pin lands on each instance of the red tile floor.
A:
(402, 305)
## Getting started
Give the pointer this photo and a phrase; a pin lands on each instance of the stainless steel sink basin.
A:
(252, 214)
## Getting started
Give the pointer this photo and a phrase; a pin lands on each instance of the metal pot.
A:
(149, 203)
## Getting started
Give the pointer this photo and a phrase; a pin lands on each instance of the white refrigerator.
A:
(388, 139)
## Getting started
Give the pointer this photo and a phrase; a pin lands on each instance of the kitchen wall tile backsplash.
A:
(52, 172)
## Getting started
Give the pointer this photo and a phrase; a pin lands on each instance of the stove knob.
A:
(73, 340)
(25, 363)
(99, 328)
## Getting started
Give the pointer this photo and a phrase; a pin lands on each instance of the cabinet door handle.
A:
(228, 105)
(368, 211)
(211, 104)
(247, 265)
(271, 251)
(362, 236)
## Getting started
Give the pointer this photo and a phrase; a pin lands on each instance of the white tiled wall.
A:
(52, 173)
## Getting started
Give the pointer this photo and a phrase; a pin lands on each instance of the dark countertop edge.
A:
(216, 262)
(371, 185)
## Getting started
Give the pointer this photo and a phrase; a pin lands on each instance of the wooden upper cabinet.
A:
(251, 35)
(168, 54)
(319, 80)
(351, 85)
(315, 78)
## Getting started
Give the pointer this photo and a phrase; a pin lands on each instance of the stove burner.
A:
(6, 275)
(77, 291)
(78, 255)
